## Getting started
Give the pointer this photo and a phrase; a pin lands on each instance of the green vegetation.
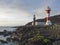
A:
(36, 37)
(46, 40)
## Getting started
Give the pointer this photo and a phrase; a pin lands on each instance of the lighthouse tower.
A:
(48, 22)
(33, 23)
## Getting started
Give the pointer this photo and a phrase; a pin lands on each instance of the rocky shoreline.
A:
(33, 35)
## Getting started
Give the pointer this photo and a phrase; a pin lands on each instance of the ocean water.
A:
(4, 38)
(9, 43)
(2, 28)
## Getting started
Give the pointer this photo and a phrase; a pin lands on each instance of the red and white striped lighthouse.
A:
(48, 22)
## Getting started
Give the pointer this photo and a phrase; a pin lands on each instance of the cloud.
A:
(11, 13)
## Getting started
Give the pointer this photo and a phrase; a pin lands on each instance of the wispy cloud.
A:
(40, 12)
(11, 12)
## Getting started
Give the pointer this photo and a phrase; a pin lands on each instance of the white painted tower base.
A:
(48, 22)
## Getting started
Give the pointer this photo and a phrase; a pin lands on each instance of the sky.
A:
(20, 12)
